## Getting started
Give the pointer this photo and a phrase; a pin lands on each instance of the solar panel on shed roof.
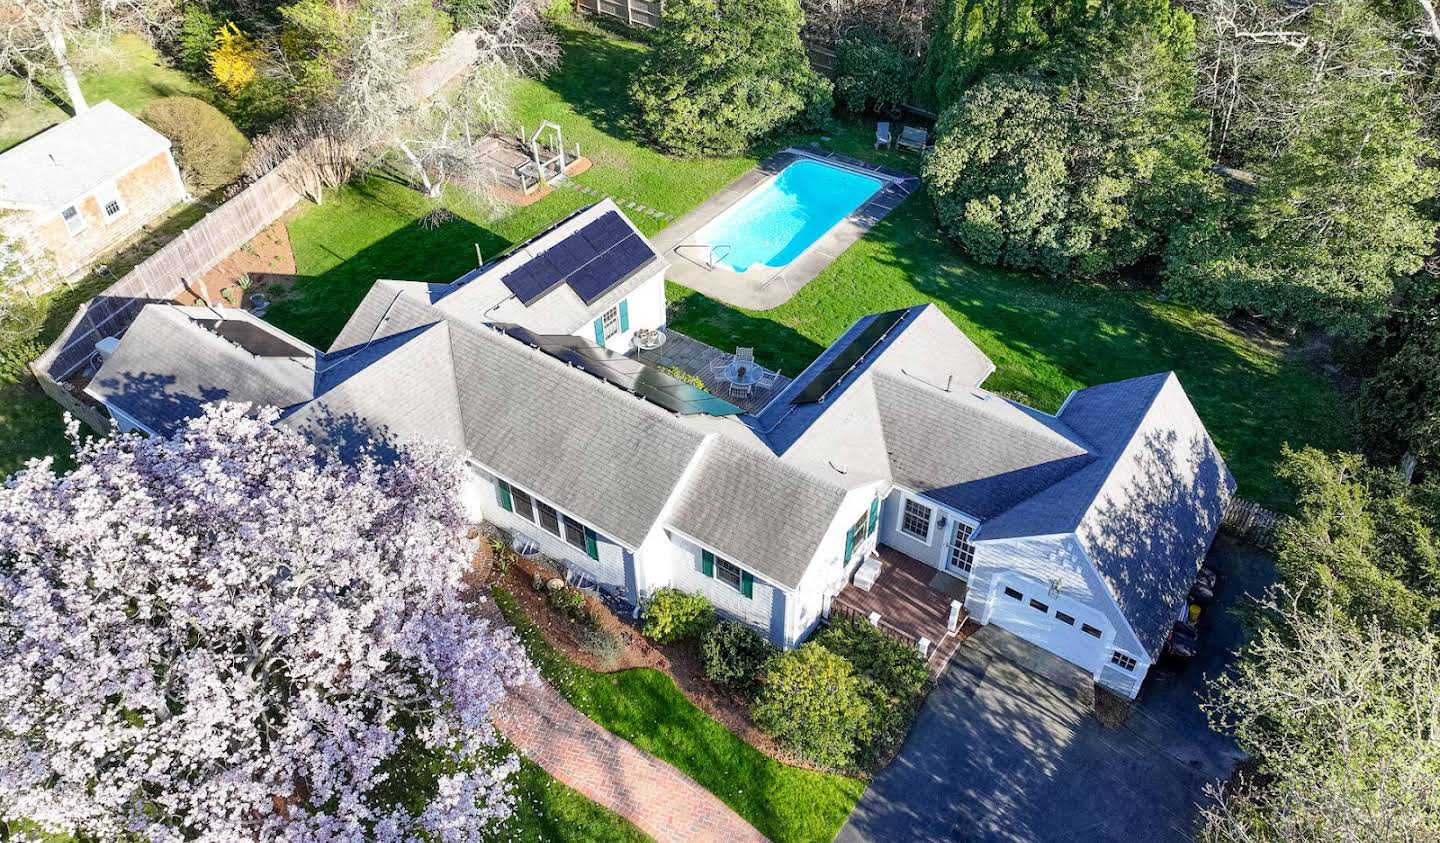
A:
(848, 357)
(627, 373)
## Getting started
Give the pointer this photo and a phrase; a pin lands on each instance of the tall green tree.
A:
(724, 73)
(1400, 406)
(1363, 542)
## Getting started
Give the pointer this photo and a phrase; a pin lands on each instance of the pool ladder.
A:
(710, 261)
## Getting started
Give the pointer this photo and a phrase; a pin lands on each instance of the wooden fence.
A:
(165, 274)
(1250, 522)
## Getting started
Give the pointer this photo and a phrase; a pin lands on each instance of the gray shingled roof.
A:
(168, 367)
(72, 158)
(765, 514)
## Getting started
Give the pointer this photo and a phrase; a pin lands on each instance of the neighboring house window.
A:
(524, 504)
(915, 520)
(727, 573)
(1123, 660)
(1012, 593)
(110, 201)
(112, 207)
(962, 552)
(1064, 618)
(73, 220)
(1090, 630)
(549, 518)
(574, 532)
(612, 322)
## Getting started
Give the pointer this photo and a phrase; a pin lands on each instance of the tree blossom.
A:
(226, 635)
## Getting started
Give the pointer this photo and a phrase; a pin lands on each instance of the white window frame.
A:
(721, 562)
(950, 547)
(1119, 659)
(929, 537)
(860, 532)
(611, 322)
(79, 219)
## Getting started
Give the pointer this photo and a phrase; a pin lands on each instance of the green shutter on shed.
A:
(849, 545)
(503, 489)
(600, 331)
(624, 315)
(874, 514)
(707, 563)
(592, 547)
(747, 584)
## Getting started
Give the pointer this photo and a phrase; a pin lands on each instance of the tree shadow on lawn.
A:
(594, 78)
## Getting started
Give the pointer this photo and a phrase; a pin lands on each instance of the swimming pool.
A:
(779, 220)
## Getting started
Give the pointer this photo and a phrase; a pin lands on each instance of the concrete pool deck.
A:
(763, 287)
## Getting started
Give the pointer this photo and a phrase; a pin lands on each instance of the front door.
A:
(962, 553)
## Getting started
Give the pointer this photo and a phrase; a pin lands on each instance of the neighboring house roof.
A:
(68, 160)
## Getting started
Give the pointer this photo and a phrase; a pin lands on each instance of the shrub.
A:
(897, 678)
(675, 615)
(682, 375)
(870, 74)
(603, 644)
(733, 655)
(812, 701)
(210, 150)
(569, 602)
(15, 360)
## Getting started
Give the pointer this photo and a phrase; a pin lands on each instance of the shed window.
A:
(574, 532)
(73, 221)
(1123, 660)
(1090, 630)
(915, 520)
(549, 518)
(524, 504)
(727, 573)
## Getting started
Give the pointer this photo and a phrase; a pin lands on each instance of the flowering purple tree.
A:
(224, 636)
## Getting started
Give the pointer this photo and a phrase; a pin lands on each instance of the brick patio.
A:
(657, 798)
(696, 357)
(913, 600)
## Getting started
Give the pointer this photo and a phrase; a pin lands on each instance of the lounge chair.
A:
(882, 135)
(913, 137)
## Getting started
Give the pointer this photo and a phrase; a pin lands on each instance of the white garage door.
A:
(1054, 623)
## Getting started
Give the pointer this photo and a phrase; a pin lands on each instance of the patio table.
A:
(646, 339)
(742, 373)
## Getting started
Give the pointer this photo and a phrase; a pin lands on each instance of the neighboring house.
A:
(1081, 531)
(80, 189)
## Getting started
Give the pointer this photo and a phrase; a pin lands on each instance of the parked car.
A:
(1183, 641)
(1203, 591)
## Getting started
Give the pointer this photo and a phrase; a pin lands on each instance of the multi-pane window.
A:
(1090, 630)
(524, 504)
(727, 573)
(962, 552)
(915, 520)
(73, 221)
(1123, 660)
(612, 322)
(112, 207)
(549, 518)
(574, 532)
(858, 532)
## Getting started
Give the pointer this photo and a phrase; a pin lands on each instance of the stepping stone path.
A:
(657, 798)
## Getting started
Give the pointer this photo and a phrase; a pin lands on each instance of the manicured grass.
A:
(547, 811)
(128, 72)
(646, 708)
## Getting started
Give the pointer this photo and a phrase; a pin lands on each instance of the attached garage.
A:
(1062, 626)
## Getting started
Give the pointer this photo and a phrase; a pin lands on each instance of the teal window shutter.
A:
(707, 563)
(592, 547)
(600, 331)
(849, 545)
(503, 489)
(624, 315)
(874, 514)
(747, 584)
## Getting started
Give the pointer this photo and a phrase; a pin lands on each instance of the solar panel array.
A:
(849, 357)
(591, 260)
(630, 375)
(253, 338)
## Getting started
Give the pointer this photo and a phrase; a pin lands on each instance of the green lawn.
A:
(128, 72)
(646, 708)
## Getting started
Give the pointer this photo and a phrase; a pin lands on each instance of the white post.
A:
(954, 622)
(875, 619)
(924, 646)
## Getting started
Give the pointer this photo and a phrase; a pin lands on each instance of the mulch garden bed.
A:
(266, 260)
(679, 661)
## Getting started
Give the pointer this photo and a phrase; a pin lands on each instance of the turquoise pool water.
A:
(781, 218)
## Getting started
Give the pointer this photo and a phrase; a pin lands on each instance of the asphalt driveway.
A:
(1005, 749)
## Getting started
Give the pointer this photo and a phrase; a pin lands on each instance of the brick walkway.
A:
(659, 799)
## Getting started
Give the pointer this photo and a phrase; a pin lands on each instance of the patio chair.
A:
(741, 390)
(720, 361)
(913, 137)
(767, 379)
(882, 135)
(746, 354)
